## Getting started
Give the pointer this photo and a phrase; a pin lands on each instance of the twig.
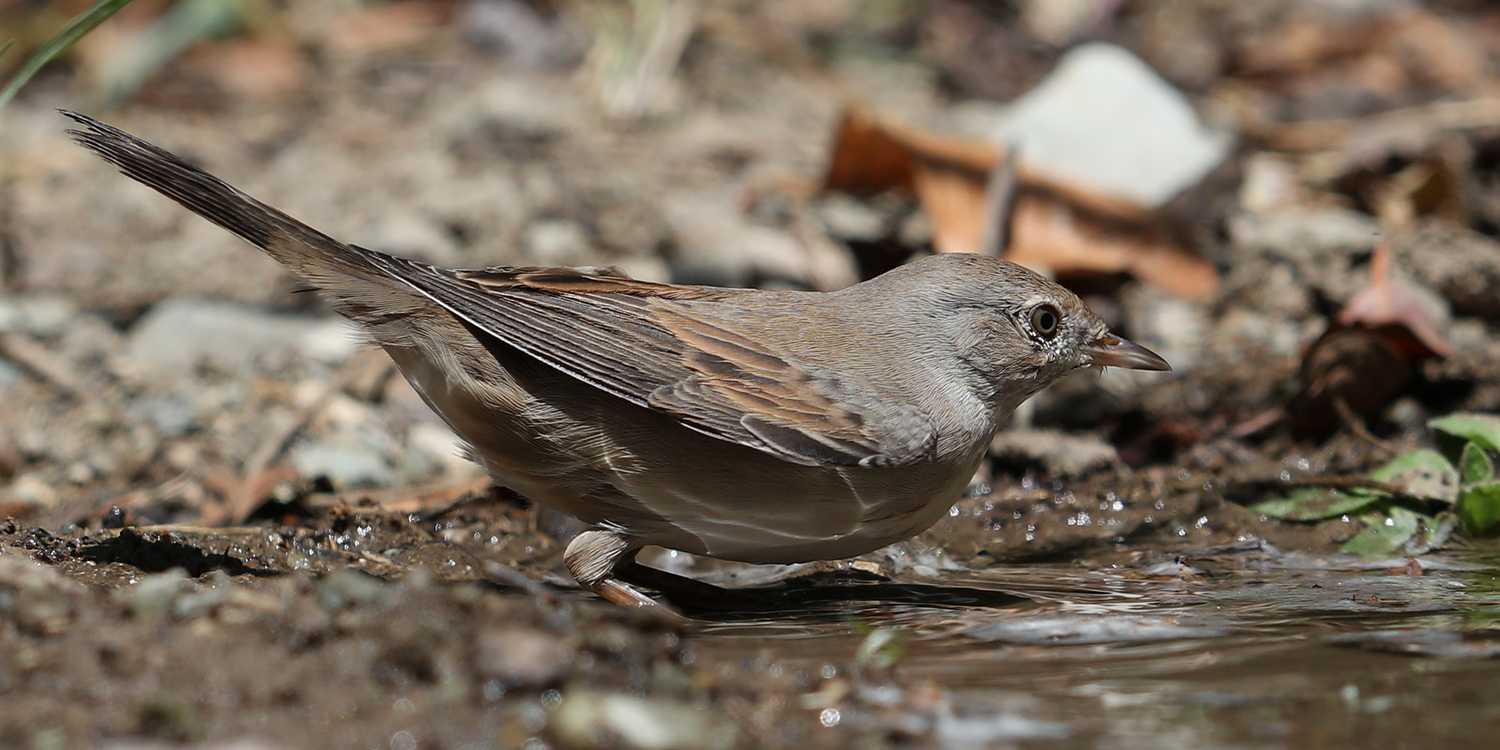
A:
(1000, 193)
(23, 351)
(1357, 426)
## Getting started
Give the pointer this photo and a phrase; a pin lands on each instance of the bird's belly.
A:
(642, 473)
(809, 513)
(787, 545)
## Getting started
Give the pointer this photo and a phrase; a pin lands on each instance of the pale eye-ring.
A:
(1046, 319)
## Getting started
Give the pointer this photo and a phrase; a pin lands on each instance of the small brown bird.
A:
(751, 425)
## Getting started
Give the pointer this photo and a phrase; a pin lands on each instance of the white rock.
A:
(1105, 118)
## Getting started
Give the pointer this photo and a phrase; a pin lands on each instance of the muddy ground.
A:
(231, 526)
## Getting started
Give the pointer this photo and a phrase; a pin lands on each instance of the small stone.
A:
(416, 236)
(851, 220)
(31, 489)
(717, 245)
(36, 596)
(172, 416)
(440, 445)
(40, 315)
(522, 657)
(557, 242)
(344, 586)
(10, 374)
(154, 598)
(179, 334)
(516, 29)
(645, 724)
(1173, 327)
(645, 268)
(1462, 264)
(346, 467)
(1058, 454)
(520, 105)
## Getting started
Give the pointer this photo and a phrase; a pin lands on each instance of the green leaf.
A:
(1479, 506)
(1316, 503)
(1474, 466)
(1382, 537)
(81, 24)
(1421, 473)
(1483, 429)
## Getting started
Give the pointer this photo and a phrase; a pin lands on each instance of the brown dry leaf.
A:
(1386, 307)
(1049, 233)
(1056, 226)
(1348, 375)
(1364, 359)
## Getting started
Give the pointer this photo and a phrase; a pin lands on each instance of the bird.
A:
(751, 425)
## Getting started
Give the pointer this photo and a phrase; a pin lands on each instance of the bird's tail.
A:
(354, 277)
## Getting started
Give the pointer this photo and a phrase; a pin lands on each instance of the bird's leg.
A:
(593, 556)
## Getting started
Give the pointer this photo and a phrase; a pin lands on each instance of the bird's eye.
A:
(1045, 320)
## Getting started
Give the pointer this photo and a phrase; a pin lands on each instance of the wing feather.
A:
(636, 340)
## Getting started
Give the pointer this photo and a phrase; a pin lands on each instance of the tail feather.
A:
(356, 281)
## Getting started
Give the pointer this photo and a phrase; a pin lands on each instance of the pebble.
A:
(1173, 327)
(1057, 453)
(180, 333)
(440, 445)
(1106, 119)
(850, 219)
(717, 245)
(413, 235)
(557, 242)
(41, 315)
(522, 657)
(344, 466)
(172, 416)
(345, 587)
(646, 724)
(154, 598)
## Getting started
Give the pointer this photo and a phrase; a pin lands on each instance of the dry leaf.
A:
(1056, 226)
(1348, 374)
(1364, 359)
(1385, 306)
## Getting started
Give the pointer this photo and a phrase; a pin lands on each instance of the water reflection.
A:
(1242, 647)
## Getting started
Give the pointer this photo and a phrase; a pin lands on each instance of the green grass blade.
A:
(82, 24)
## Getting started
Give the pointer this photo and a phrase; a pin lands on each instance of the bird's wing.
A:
(635, 340)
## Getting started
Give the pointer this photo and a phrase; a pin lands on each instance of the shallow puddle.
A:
(1232, 649)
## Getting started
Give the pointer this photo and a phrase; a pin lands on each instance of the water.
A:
(1230, 648)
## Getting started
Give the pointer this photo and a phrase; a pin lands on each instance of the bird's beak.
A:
(1110, 350)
